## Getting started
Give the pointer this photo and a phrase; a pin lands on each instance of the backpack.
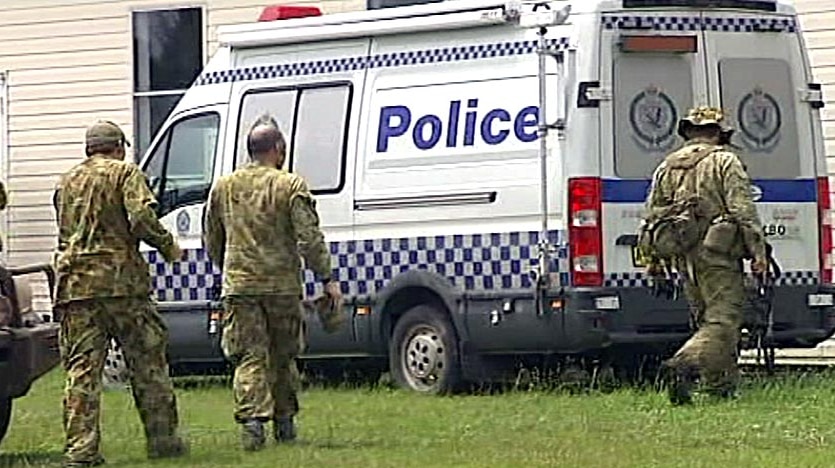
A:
(676, 229)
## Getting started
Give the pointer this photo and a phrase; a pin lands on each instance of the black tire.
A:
(423, 352)
(5, 416)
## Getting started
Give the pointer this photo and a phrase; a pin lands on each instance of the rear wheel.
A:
(423, 352)
(5, 416)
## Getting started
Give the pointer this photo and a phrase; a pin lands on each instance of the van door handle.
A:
(627, 239)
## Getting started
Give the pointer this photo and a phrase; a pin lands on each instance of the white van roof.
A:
(431, 16)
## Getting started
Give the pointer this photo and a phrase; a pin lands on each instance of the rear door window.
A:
(651, 93)
(758, 95)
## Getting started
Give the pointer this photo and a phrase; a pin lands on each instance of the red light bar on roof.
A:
(668, 44)
(281, 12)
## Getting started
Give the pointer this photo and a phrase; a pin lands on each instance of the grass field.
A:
(788, 421)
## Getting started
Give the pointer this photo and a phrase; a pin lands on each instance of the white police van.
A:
(417, 129)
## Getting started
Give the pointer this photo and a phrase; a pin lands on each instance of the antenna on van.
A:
(541, 21)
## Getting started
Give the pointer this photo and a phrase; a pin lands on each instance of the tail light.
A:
(584, 231)
(825, 214)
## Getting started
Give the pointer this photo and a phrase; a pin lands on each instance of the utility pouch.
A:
(722, 237)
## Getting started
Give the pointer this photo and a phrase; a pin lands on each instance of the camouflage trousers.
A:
(86, 329)
(716, 292)
(262, 338)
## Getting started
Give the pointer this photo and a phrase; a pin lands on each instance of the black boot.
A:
(727, 393)
(252, 435)
(97, 461)
(167, 447)
(681, 380)
(285, 429)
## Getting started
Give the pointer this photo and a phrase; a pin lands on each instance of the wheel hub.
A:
(425, 356)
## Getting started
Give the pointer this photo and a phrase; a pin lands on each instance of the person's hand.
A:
(330, 308)
(175, 253)
(759, 266)
(654, 270)
(334, 293)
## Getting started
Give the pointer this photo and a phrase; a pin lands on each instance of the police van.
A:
(467, 234)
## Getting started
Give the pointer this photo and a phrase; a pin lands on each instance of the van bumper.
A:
(633, 316)
(796, 323)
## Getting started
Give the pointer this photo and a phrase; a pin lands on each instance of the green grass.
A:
(783, 422)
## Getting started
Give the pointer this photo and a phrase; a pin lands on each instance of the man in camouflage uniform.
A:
(104, 209)
(256, 222)
(729, 230)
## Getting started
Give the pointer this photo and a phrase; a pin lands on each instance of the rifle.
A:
(763, 329)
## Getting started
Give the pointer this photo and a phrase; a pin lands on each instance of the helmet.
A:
(704, 115)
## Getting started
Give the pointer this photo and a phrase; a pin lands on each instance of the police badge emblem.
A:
(653, 116)
(759, 121)
(183, 222)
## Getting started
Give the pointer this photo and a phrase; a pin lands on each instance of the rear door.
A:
(756, 71)
(654, 66)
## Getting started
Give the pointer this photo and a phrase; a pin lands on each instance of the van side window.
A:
(155, 167)
(314, 122)
(760, 97)
(281, 105)
(318, 146)
(180, 169)
(650, 95)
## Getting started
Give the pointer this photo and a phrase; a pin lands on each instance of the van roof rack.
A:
(452, 14)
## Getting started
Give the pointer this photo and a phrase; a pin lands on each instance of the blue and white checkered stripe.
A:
(695, 23)
(192, 279)
(640, 280)
(390, 60)
(475, 262)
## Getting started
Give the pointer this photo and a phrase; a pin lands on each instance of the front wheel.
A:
(5, 415)
(423, 352)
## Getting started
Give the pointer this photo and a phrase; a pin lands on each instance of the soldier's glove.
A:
(329, 307)
(759, 266)
(330, 314)
(173, 253)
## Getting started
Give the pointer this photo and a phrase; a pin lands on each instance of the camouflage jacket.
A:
(722, 185)
(104, 209)
(258, 221)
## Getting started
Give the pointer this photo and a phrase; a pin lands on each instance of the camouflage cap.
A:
(703, 115)
(104, 132)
